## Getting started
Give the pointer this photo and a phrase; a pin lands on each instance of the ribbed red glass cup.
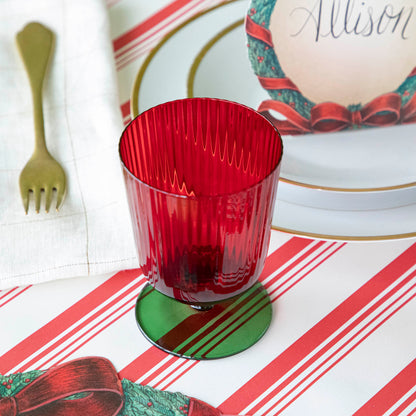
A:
(201, 177)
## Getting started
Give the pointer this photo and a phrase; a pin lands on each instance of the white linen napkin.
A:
(91, 234)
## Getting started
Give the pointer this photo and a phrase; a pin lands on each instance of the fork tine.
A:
(48, 198)
(25, 198)
(37, 195)
(59, 196)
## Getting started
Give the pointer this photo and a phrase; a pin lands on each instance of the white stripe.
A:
(332, 337)
(76, 324)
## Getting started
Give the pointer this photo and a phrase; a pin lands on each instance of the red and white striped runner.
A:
(323, 316)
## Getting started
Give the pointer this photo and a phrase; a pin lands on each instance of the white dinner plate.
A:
(193, 60)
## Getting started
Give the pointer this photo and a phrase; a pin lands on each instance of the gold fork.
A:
(42, 173)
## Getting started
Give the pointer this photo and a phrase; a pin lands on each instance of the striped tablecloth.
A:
(342, 339)
(343, 334)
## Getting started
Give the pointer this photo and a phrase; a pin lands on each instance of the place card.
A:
(334, 65)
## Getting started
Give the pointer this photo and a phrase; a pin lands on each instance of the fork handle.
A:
(35, 44)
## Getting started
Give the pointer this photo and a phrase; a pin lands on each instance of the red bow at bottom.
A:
(95, 382)
(384, 110)
(47, 395)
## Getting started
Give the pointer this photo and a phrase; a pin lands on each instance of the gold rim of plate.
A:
(134, 109)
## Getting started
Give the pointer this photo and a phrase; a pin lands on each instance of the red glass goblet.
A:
(201, 177)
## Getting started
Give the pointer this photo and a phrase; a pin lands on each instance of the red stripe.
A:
(160, 370)
(155, 35)
(7, 292)
(96, 325)
(141, 47)
(142, 364)
(311, 270)
(125, 109)
(111, 3)
(283, 254)
(320, 375)
(95, 334)
(319, 333)
(49, 331)
(14, 296)
(391, 393)
(295, 263)
(178, 376)
(400, 409)
(75, 330)
(135, 54)
(145, 26)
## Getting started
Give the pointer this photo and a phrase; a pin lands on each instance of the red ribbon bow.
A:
(384, 110)
(47, 394)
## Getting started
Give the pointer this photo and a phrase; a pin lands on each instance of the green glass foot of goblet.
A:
(225, 329)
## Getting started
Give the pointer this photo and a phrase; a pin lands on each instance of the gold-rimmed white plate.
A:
(191, 61)
(326, 164)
